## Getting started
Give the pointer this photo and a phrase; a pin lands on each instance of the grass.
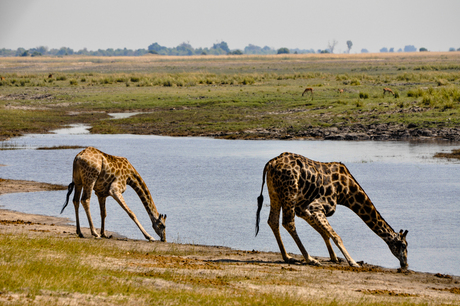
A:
(98, 271)
(230, 96)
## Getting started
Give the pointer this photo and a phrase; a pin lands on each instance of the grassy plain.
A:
(43, 262)
(229, 96)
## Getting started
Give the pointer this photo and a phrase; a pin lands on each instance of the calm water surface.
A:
(208, 189)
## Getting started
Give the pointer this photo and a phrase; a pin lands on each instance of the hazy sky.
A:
(304, 24)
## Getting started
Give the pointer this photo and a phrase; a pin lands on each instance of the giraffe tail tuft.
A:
(260, 200)
(69, 192)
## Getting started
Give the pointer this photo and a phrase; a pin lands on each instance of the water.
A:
(208, 189)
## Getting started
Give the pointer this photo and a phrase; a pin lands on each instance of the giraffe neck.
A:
(360, 203)
(139, 186)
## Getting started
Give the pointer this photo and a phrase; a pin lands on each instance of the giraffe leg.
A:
(119, 198)
(319, 222)
(103, 215)
(76, 204)
(274, 223)
(289, 225)
(85, 202)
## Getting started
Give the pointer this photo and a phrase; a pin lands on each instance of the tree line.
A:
(184, 49)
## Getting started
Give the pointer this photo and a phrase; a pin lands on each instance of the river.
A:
(208, 189)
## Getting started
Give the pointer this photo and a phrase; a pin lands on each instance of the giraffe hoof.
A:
(314, 262)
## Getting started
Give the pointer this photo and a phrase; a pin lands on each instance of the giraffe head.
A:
(159, 225)
(399, 248)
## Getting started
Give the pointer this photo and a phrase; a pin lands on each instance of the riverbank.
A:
(126, 271)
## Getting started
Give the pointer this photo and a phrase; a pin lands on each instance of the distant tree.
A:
(331, 45)
(410, 48)
(222, 45)
(451, 49)
(25, 53)
(236, 52)
(20, 51)
(364, 51)
(384, 50)
(283, 51)
(458, 49)
(399, 50)
(159, 49)
(423, 49)
(349, 45)
(324, 51)
(153, 52)
(391, 50)
(36, 53)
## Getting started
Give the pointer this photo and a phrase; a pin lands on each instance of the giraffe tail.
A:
(69, 192)
(260, 200)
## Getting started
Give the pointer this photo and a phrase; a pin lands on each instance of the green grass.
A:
(56, 268)
(223, 95)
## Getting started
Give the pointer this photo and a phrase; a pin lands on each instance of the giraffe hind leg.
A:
(289, 225)
(274, 223)
(76, 204)
(85, 202)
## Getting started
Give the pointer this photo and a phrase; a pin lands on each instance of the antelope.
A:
(308, 89)
(340, 91)
(385, 90)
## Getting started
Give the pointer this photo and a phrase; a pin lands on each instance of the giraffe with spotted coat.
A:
(311, 190)
(108, 175)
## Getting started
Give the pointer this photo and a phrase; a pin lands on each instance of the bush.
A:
(363, 95)
(283, 51)
(134, 79)
(61, 78)
(73, 82)
(355, 82)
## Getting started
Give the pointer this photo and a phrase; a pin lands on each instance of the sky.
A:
(303, 24)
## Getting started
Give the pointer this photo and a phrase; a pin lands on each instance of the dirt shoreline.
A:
(348, 284)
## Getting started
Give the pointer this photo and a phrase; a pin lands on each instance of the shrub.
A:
(134, 79)
(73, 82)
(363, 95)
(283, 51)
(355, 82)
(396, 95)
(61, 78)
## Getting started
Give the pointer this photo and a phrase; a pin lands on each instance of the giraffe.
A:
(308, 89)
(385, 90)
(311, 190)
(108, 175)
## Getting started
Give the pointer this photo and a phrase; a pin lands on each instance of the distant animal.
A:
(385, 90)
(108, 175)
(2, 78)
(308, 89)
(50, 76)
(340, 91)
(311, 190)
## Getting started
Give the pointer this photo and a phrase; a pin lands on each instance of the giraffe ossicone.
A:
(311, 190)
(109, 175)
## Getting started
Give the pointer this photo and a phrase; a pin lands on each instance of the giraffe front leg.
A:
(324, 228)
(119, 198)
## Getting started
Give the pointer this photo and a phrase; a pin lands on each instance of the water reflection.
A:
(208, 189)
